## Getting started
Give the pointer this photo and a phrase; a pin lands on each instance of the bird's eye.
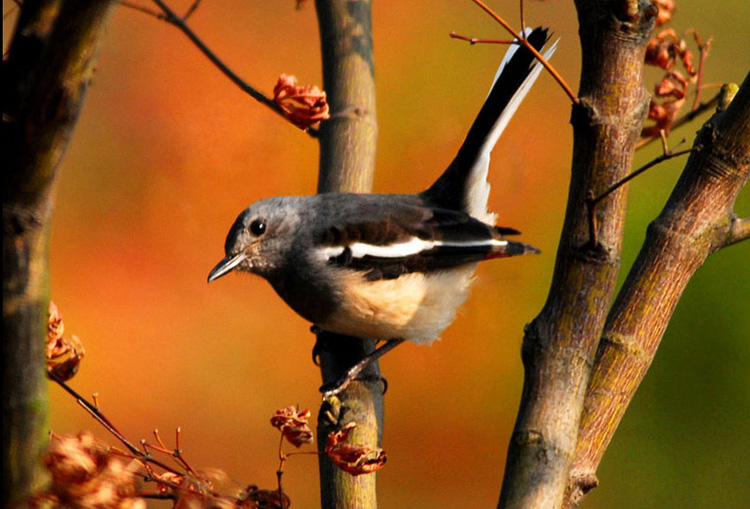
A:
(258, 227)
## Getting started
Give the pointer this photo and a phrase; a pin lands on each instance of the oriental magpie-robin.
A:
(389, 267)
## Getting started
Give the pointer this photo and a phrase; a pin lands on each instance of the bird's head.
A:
(259, 238)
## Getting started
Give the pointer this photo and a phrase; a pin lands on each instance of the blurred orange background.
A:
(166, 154)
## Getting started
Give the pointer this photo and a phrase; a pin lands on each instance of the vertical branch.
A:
(697, 220)
(347, 162)
(45, 77)
(348, 138)
(559, 344)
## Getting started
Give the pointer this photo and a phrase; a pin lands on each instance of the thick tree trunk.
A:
(559, 344)
(45, 76)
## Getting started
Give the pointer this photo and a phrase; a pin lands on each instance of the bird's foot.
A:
(353, 373)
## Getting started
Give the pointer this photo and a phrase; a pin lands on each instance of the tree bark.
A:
(45, 77)
(559, 344)
(697, 220)
(347, 164)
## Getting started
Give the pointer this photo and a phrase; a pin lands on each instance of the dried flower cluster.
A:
(189, 490)
(255, 498)
(64, 355)
(85, 473)
(293, 424)
(664, 10)
(668, 50)
(303, 106)
(355, 459)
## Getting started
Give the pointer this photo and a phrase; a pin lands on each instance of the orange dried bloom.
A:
(55, 325)
(664, 115)
(64, 355)
(85, 474)
(673, 88)
(673, 84)
(293, 424)
(664, 49)
(193, 491)
(355, 459)
(303, 106)
(687, 62)
(188, 499)
(256, 498)
(166, 481)
(664, 11)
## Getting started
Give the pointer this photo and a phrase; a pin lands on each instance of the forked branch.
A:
(697, 220)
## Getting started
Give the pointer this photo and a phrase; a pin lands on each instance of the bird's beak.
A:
(226, 266)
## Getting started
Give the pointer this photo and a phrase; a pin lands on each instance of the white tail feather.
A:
(477, 188)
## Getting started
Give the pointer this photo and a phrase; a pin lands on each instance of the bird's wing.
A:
(464, 186)
(400, 239)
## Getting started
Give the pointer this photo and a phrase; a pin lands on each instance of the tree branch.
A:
(171, 17)
(738, 231)
(592, 201)
(45, 78)
(697, 220)
(559, 345)
(347, 163)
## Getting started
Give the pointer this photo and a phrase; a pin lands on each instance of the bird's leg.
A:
(355, 370)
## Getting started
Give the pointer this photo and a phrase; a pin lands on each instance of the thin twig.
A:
(531, 48)
(169, 16)
(156, 495)
(104, 421)
(688, 117)
(158, 439)
(280, 471)
(191, 9)
(474, 40)
(177, 433)
(625, 180)
(174, 19)
(177, 453)
(95, 412)
(143, 9)
(701, 65)
(592, 201)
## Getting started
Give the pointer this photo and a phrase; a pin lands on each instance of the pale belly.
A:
(414, 307)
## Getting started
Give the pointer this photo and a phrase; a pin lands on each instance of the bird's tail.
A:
(511, 248)
(463, 186)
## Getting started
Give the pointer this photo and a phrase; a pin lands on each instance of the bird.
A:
(390, 267)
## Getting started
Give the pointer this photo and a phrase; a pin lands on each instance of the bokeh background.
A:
(166, 154)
